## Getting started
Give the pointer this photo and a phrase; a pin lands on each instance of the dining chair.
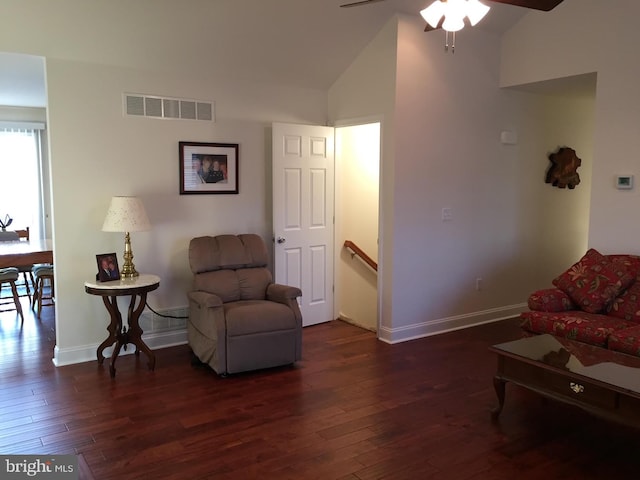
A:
(42, 274)
(9, 276)
(12, 236)
(25, 270)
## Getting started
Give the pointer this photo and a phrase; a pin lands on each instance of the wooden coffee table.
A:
(598, 380)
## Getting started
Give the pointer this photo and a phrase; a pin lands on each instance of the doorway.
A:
(326, 191)
(357, 221)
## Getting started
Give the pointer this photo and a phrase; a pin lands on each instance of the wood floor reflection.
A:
(353, 408)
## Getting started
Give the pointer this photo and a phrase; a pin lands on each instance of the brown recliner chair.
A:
(240, 320)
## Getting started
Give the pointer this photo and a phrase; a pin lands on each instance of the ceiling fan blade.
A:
(544, 5)
(360, 3)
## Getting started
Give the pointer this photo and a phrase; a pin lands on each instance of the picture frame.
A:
(208, 168)
(107, 267)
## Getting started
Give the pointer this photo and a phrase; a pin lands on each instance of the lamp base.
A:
(129, 273)
(128, 269)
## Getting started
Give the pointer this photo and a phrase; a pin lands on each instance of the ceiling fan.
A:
(449, 14)
(544, 5)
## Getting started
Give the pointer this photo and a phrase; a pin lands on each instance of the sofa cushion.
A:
(627, 305)
(632, 262)
(248, 317)
(585, 327)
(626, 341)
(594, 281)
(550, 300)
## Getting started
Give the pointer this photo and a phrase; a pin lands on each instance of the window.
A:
(21, 180)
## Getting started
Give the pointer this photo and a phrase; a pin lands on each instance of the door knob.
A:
(281, 240)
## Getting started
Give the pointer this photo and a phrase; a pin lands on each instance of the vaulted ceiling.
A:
(306, 43)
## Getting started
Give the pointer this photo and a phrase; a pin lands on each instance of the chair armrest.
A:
(205, 299)
(282, 293)
(287, 295)
(550, 300)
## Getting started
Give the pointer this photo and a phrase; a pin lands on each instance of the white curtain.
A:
(21, 180)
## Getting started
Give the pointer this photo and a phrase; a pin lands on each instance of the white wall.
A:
(442, 117)
(583, 36)
(96, 152)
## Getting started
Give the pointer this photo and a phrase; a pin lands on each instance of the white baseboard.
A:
(448, 324)
(88, 353)
(347, 319)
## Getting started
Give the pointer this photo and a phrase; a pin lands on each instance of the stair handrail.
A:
(356, 250)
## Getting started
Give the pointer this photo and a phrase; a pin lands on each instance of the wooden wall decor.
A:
(563, 170)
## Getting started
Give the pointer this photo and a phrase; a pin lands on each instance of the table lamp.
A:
(126, 214)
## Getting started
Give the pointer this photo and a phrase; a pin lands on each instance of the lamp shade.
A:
(126, 214)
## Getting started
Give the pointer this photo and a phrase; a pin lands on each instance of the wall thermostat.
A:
(624, 182)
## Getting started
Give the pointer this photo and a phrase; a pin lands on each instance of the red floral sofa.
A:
(596, 301)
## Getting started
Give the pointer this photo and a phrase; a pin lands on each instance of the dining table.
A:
(31, 252)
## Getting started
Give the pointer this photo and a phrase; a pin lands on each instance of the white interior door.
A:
(303, 197)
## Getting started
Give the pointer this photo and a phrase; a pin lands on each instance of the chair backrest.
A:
(230, 266)
(23, 234)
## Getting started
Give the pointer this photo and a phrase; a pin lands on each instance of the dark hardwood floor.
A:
(354, 408)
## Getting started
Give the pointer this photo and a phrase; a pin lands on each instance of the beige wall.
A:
(509, 227)
(441, 121)
(572, 45)
(368, 88)
(96, 152)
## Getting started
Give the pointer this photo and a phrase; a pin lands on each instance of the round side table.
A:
(137, 288)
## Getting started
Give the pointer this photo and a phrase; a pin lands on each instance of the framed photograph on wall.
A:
(208, 168)
(107, 267)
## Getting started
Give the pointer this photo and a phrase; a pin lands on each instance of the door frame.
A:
(354, 122)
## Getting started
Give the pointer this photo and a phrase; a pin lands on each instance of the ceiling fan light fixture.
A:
(433, 13)
(476, 11)
(455, 8)
(453, 23)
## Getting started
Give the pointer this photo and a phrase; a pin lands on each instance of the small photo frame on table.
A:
(208, 168)
(107, 267)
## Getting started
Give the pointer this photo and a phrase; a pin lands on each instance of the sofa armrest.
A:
(282, 293)
(550, 300)
(205, 299)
